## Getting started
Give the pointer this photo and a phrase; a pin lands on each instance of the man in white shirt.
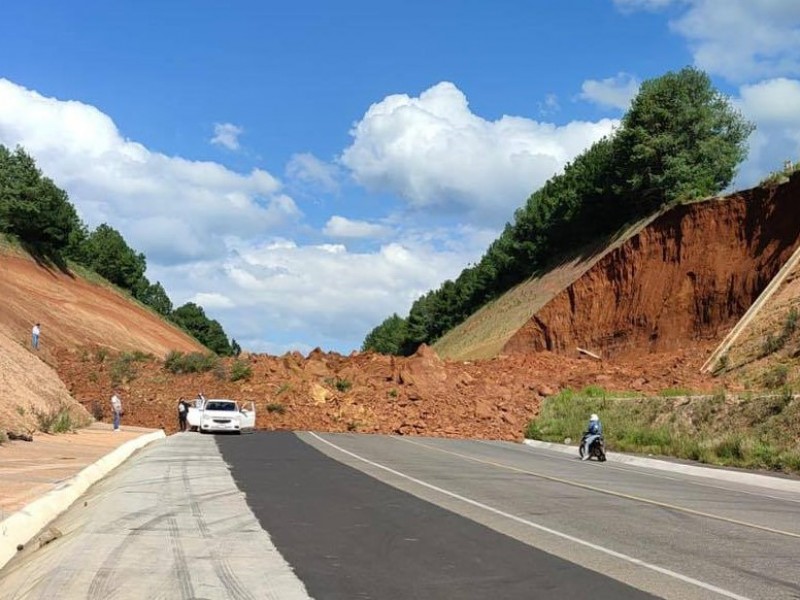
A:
(116, 408)
(35, 336)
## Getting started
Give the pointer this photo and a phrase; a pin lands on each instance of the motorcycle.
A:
(597, 448)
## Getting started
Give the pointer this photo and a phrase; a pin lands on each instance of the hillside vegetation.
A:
(680, 140)
(39, 214)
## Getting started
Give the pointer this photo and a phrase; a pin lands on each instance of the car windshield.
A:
(211, 405)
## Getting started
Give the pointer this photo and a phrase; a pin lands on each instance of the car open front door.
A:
(247, 420)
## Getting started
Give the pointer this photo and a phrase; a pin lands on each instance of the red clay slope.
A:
(74, 312)
(688, 276)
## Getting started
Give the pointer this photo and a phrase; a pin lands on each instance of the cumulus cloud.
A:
(170, 208)
(738, 39)
(227, 135)
(771, 105)
(310, 170)
(342, 227)
(280, 290)
(613, 92)
(436, 154)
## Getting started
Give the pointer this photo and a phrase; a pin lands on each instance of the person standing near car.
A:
(593, 431)
(116, 409)
(183, 409)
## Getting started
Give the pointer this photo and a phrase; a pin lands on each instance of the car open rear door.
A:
(247, 420)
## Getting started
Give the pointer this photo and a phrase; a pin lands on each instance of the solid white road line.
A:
(486, 507)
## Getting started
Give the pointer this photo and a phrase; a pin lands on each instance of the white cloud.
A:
(212, 300)
(170, 208)
(775, 101)
(771, 105)
(738, 39)
(436, 154)
(227, 135)
(325, 294)
(308, 169)
(614, 92)
(342, 227)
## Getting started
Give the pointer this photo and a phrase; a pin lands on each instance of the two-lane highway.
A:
(346, 516)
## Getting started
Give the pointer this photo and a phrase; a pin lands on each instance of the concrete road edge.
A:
(22, 526)
(756, 479)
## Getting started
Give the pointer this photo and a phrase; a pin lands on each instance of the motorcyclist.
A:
(593, 431)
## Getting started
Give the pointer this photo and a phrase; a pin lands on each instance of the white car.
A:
(219, 415)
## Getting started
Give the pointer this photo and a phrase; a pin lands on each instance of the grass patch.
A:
(192, 362)
(751, 432)
(283, 388)
(276, 407)
(240, 370)
(58, 421)
(342, 385)
(123, 369)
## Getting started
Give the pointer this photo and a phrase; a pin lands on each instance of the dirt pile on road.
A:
(366, 392)
(688, 276)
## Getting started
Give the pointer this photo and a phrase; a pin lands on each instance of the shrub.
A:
(101, 354)
(393, 393)
(240, 370)
(193, 362)
(342, 385)
(59, 421)
(123, 369)
(776, 377)
(276, 407)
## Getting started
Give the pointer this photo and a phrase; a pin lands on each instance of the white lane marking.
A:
(566, 536)
(648, 471)
(599, 490)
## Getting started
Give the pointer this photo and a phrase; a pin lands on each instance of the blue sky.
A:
(304, 169)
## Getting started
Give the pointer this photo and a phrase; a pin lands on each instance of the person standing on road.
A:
(35, 336)
(116, 409)
(183, 409)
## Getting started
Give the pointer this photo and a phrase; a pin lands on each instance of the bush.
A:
(276, 407)
(776, 377)
(193, 362)
(342, 385)
(240, 370)
(124, 369)
(59, 421)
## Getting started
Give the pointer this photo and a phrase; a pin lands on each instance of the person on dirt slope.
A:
(35, 336)
(593, 431)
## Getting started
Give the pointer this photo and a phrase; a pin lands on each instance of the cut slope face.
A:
(769, 340)
(75, 312)
(485, 333)
(29, 387)
(688, 276)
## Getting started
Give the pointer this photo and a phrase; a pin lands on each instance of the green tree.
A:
(109, 255)
(156, 298)
(388, 337)
(32, 207)
(681, 139)
(192, 318)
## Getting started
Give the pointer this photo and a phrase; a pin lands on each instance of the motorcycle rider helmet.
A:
(594, 417)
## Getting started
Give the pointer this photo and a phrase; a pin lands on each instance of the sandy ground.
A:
(29, 470)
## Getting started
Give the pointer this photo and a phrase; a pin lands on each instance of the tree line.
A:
(39, 214)
(680, 140)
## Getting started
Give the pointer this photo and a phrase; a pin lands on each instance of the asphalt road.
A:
(580, 527)
(355, 516)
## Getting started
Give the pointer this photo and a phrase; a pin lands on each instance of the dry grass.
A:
(753, 432)
(486, 332)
